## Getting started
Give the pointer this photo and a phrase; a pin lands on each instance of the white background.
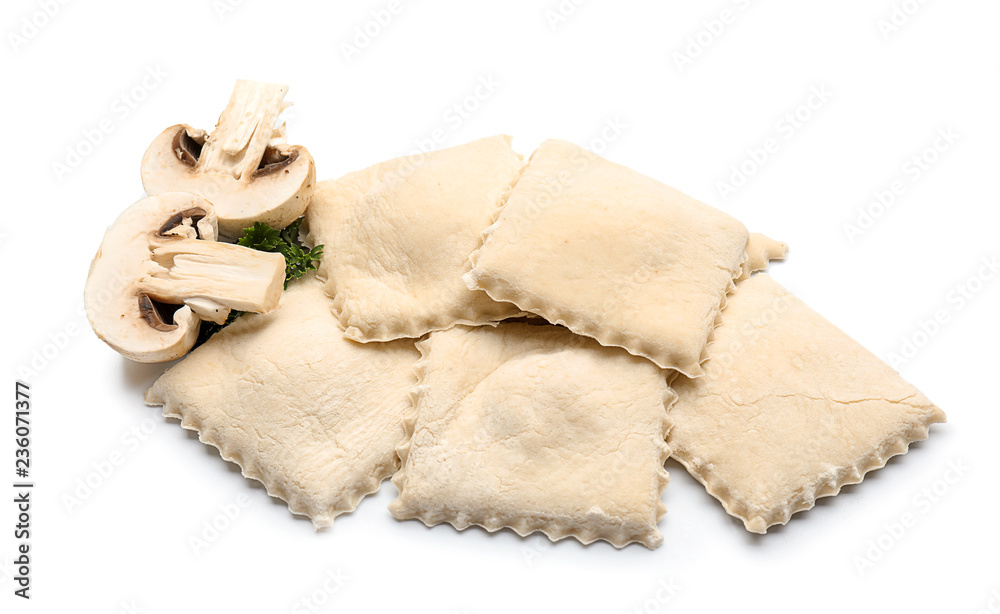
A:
(142, 67)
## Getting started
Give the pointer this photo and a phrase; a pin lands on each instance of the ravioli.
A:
(613, 255)
(312, 415)
(533, 428)
(790, 409)
(761, 250)
(402, 232)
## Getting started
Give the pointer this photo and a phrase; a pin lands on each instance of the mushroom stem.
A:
(245, 129)
(212, 278)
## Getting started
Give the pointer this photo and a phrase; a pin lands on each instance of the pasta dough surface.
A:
(398, 236)
(613, 255)
(313, 416)
(790, 409)
(534, 428)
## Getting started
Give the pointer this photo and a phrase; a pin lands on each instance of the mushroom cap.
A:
(277, 192)
(121, 315)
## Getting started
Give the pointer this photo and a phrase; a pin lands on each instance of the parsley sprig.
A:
(298, 261)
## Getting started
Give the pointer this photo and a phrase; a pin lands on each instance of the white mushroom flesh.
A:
(159, 272)
(244, 131)
(244, 167)
(183, 270)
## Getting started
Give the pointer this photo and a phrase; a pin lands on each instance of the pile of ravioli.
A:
(522, 344)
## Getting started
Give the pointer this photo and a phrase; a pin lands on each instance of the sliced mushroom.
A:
(244, 167)
(160, 271)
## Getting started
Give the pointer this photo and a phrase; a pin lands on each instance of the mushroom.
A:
(160, 271)
(244, 167)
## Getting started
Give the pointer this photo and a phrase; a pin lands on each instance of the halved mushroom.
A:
(244, 167)
(160, 271)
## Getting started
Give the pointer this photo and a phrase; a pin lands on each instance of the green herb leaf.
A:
(210, 328)
(298, 261)
(261, 237)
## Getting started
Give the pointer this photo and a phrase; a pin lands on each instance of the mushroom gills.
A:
(187, 145)
(158, 315)
(189, 224)
(245, 166)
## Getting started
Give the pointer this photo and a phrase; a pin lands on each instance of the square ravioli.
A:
(789, 409)
(533, 428)
(313, 416)
(613, 255)
(398, 237)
